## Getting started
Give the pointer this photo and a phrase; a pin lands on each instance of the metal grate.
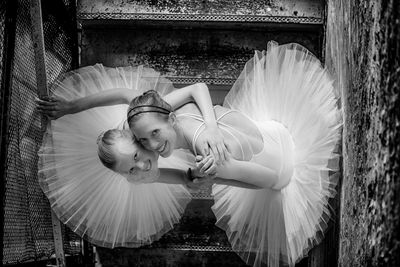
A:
(28, 232)
(2, 29)
(201, 17)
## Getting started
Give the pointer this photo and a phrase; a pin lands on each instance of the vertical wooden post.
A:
(41, 82)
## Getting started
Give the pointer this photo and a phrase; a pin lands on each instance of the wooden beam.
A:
(41, 82)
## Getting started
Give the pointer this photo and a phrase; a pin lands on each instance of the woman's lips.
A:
(162, 148)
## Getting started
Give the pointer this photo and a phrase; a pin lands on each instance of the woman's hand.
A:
(205, 169)
(212, 140)
(54, 107)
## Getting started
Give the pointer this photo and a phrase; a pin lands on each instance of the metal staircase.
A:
(191, 41)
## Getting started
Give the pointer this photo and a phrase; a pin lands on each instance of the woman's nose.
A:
(153, 144)
(140, 165)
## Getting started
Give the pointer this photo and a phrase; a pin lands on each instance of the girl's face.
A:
(134, 162)
(156, 133)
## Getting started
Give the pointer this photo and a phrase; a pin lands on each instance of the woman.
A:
(281, 124)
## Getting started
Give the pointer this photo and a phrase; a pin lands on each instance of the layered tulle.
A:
(92, 200)
(288, 86)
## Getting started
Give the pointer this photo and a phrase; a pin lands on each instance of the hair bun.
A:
(100, 137)
(150, 92)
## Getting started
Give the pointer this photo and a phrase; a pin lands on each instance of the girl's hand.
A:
(54, 107)
(205, 167)
(212, 140)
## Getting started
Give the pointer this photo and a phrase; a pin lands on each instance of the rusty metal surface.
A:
(167, 257)
(298, 8)
(190, 53)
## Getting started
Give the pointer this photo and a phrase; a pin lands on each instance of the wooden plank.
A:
(41, 82)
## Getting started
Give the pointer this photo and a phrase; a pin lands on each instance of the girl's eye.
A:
(142, 141)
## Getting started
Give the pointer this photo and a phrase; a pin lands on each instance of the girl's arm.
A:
(55, 107)
(174, 176)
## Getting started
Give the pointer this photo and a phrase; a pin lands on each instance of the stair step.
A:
(196, 228)
(218, 55)
(167, 257)
(259, 12)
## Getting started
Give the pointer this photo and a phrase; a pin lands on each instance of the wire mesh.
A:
(28, 234)
(2, 28)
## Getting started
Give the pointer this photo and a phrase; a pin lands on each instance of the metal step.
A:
(255, 13)
(203, 53)
(184, 257)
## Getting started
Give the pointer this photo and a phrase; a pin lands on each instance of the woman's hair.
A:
(105, 143)
(149, 101)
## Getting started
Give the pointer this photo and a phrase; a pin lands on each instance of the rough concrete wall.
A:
(362, 51)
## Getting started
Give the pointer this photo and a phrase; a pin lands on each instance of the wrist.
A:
(72, 107)
(189, 175)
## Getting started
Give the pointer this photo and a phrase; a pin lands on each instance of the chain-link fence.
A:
(28, 234)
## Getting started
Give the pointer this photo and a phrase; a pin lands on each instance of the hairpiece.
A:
(150, 108)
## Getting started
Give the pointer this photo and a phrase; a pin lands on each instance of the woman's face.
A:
(155, 133)
(134, 162)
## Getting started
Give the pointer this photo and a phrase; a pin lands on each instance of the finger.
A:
(212, 170)
(47, 108)
(221, 152)
(206, 165)
(215, 152)
(45, 103)
(206, 151)
(206, 159)
(199, 158)
(227, 151)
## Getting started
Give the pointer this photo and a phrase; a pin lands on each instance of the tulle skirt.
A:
(273, 227)
(92, 200)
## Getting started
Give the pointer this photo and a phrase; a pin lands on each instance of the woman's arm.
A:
(248, 172)
(211, 137)
(235, 183)
(197, 92)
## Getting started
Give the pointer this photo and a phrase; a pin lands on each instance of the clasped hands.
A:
(215, 152)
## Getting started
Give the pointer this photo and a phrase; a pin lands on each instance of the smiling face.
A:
(155, 132)
(133, 161)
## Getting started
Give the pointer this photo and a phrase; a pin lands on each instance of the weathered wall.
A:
(362, 51)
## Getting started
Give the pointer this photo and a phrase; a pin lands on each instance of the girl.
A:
(108, 208)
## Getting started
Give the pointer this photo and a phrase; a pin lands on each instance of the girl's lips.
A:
(149, 165)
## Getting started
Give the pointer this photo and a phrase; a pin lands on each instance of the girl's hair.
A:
(149, 101)
(105, 144)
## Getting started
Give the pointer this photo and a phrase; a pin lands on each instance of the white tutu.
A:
(92, 200)
(287, 90)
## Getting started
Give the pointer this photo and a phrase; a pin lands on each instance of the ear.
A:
(172, 118)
